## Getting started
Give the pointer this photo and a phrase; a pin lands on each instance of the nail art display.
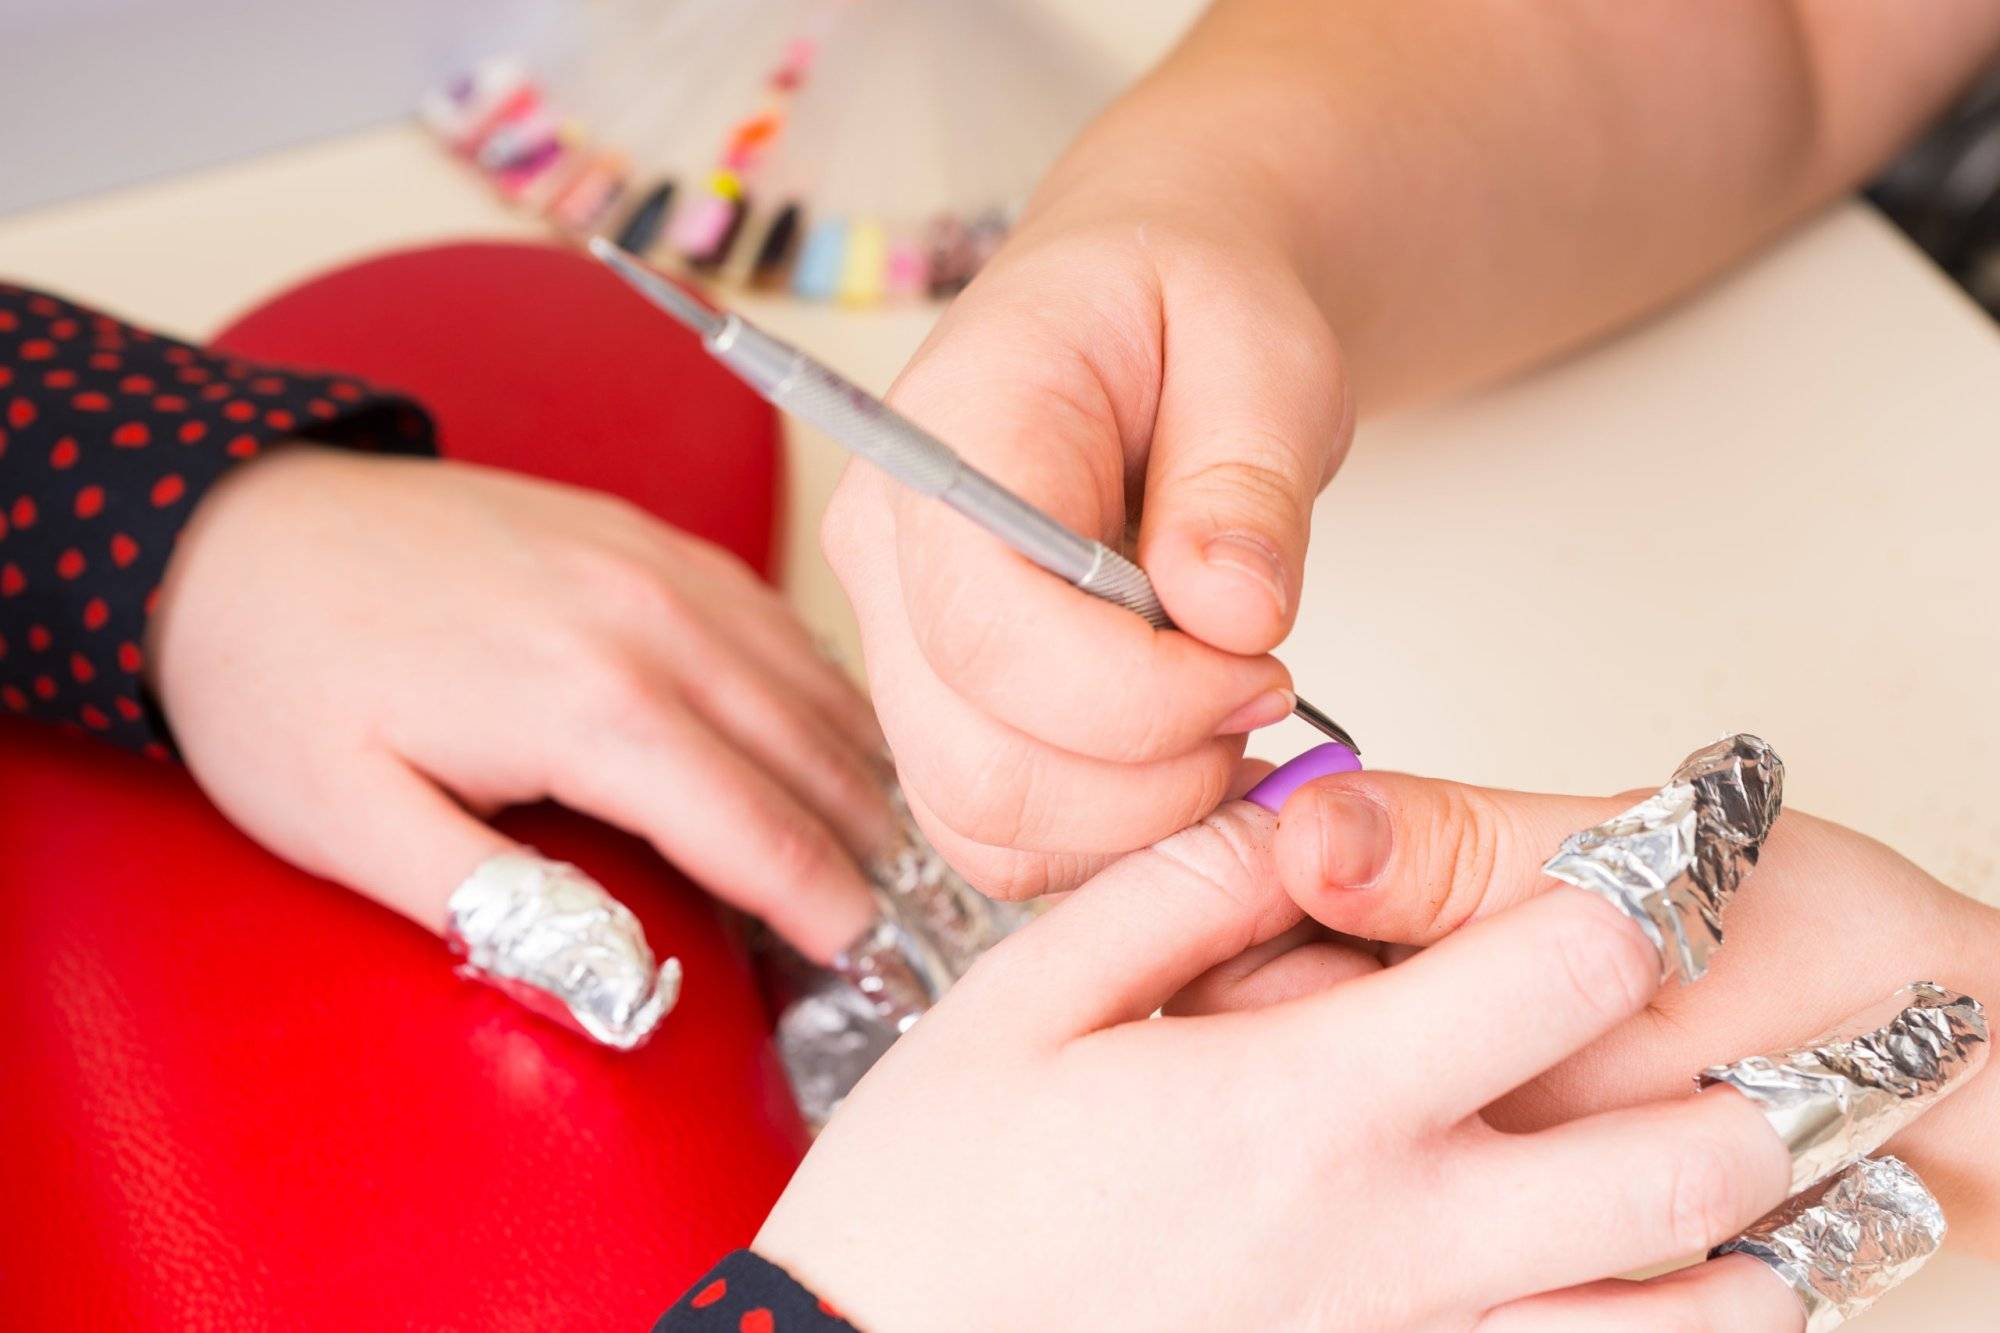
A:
(900, 133)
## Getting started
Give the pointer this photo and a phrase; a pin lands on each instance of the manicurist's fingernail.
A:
(1253, 559)
(1354, 837)
(1268, 707)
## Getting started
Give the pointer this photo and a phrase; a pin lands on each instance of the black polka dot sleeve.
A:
(747, 1293)
(109, 437)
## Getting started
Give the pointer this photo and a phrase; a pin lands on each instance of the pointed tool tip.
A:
(1325, 725)
(683, 305)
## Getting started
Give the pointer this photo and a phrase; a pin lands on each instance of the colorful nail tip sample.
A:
(861, 268)
(774, 251)
(701, 231)
(949, 243)
(501, 119)
(906, 275)
(640, 231)
(816, 275)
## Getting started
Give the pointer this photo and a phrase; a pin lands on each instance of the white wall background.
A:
(99, 93)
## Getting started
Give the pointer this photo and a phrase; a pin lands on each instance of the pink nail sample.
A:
(1319, 762)
(699, 231)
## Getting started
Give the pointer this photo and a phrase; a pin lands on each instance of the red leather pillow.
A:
(235, 1096)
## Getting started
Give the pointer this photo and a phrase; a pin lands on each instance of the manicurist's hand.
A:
(1830, 922)
(361, 656)
(1170, 378)
(1457, 192)
(1038, 1153)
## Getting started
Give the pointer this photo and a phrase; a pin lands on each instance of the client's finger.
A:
(1394, 857)
(817, 764)
(724, 821)
(1495, 1004)
(1121, 945)
(403, 842)
(765, 628)
(1733, 1294)
(1625, 1189)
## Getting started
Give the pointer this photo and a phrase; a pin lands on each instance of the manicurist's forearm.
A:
(1472, 185)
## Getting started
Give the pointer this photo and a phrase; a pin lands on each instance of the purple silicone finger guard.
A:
(1319, 762)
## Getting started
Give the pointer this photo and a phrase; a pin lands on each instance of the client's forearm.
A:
(1472, 185)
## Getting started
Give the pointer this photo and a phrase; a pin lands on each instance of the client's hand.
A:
(1830, 921)
(361, 656)
(1038, 1154)
(1128, 364)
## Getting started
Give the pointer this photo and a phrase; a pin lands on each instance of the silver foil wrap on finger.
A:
(1843, 1245)
(550, 937)
(1845, 1095)
(932, 928)
(1673, 861)
(896, 972)
(828, 1037)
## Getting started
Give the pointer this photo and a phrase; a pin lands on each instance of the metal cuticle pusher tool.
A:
(868, 427)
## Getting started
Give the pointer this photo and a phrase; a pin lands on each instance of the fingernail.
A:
(1268, 707)
(1354, 837)
(1252, 558)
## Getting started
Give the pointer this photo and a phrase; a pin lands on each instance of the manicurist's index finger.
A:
(1039, 407)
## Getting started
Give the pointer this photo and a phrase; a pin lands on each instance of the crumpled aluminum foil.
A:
(932, 903)
(933, 927)
(551, 938)
(1842, 1246)
(897, 973)
(1673, 861)
(828, 1038)
(1843, 1096)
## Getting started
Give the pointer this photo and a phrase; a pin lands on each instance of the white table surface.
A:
(1767, 510)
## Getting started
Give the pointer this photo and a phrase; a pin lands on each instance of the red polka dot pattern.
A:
(747, 1293)
(109, 437)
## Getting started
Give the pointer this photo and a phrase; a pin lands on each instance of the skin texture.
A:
(361, 656)
(1039, 1154)
(1829, 922)
(1306, 207)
